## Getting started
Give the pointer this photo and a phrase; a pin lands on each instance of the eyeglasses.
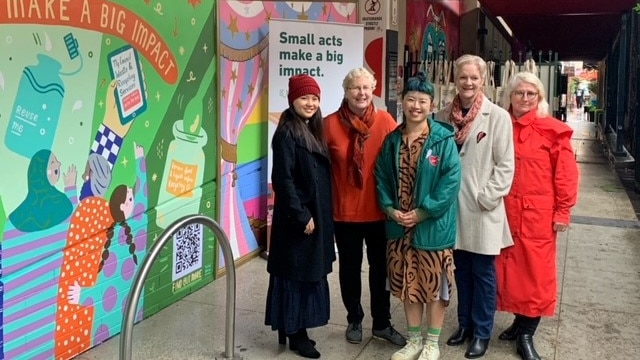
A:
(530, 95)
(357, 89)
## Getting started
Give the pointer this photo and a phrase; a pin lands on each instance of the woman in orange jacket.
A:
(354, 134)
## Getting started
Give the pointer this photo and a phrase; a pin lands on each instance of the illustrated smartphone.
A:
(130, 93)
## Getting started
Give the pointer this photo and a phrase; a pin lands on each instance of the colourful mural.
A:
(108, 134)
(432, 29)
(243, 30)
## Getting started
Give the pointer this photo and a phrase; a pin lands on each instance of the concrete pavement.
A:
(597, 315)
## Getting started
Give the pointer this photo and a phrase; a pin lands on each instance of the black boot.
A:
(460, 336)
(301, 343)
(528, 325)
(477, 348)
(282, 338)
(524, 347)
(512, 332)
(524, 342)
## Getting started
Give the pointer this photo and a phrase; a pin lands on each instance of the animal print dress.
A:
(419, 276)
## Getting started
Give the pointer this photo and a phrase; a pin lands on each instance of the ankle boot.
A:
(477, 348)
(460, 336)
(282, 339)
(524, 347)
(510, 333)
(301, 343)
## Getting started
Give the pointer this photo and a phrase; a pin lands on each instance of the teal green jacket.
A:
(436, 188)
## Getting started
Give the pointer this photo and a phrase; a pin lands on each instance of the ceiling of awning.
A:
(575, 29)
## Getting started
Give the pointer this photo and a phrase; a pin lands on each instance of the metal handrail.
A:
(128, 318)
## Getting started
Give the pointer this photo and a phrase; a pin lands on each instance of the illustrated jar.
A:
(180, 190)
(36, 109)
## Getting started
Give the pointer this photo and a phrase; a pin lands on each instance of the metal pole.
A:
(128, 318)
(552, 92)
(540, 64)
(622, 87)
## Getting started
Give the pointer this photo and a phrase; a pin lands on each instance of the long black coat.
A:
(301, 183)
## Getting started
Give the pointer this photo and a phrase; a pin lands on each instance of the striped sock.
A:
(415, 333)
(433, 335)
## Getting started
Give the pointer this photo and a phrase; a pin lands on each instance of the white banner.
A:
(325, 51)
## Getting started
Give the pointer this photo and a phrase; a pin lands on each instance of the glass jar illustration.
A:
(183, 173)
(36, 108)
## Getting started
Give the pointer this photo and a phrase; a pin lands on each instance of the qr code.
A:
(187, 250)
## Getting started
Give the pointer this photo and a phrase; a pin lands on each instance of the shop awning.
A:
(575, 29)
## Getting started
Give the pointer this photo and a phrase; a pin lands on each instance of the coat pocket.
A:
(537, 216)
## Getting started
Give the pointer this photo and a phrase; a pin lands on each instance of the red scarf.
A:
(463, 123)
(358, 134)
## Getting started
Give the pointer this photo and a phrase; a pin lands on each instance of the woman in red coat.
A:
(544, 189)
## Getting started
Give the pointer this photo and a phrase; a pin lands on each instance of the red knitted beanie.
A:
(300, 85)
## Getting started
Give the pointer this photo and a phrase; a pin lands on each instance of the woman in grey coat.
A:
(485, 143)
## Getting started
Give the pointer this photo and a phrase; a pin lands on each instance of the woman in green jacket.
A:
(417, 179)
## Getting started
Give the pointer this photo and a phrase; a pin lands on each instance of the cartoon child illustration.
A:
(100, 246)
(44, 206)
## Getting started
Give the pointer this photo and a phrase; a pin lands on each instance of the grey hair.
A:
(529, 78)
(473, 60)
(100, 174)
(355, 74)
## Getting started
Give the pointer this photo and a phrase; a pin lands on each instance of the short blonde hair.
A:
(473, 60)
(529, 78)
(355, 74)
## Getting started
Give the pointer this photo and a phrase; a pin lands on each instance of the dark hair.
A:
(420, 83)
(313, 134)
(118, 197)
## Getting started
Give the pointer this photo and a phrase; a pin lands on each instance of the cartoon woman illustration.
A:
(33, 240)
(44, 206)
(96, 177)
(99, 263)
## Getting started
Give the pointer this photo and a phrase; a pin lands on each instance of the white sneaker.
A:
(430, 352)
(410, 351)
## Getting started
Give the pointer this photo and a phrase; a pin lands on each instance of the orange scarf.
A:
(359, 133)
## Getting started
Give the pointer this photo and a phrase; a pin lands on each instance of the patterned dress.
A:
(103, 292)
(416, 275)
(85, 242)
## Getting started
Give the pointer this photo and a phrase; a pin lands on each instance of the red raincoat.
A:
(544, 189)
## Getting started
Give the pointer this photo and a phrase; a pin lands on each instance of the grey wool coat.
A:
(487, 158)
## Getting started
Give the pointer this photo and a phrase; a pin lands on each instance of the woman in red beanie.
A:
(301, 252)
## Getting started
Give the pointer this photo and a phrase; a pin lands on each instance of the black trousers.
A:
(349, 239)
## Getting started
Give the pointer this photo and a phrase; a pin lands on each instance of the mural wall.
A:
(243, 31)
(433, 29)
(111, 130)
(108, 134)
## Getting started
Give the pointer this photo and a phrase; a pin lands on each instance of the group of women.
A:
(473, 195)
